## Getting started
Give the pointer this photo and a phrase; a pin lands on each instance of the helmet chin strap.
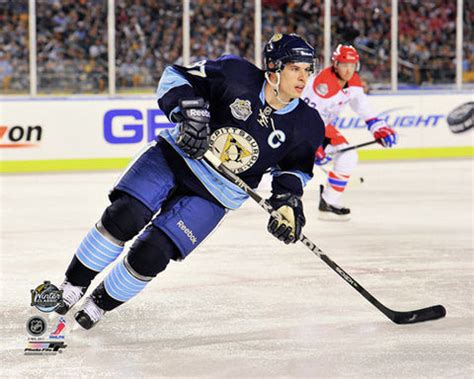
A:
(275, 87)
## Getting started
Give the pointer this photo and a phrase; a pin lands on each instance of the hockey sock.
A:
(96, 251)
(122, 283)
(336, 184)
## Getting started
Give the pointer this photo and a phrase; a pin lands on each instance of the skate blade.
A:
(329, 216)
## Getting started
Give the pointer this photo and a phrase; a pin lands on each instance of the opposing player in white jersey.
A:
(329, 92)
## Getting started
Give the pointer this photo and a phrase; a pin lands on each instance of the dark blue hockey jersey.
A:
(246, 134)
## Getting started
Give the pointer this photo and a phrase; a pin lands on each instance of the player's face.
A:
(346, 70)
(293, 80)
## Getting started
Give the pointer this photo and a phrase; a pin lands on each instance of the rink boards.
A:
(96, 133)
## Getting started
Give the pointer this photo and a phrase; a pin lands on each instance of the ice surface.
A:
(246, 305)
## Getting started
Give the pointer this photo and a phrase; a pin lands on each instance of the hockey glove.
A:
(193, 120)
(383, 133)
(290, 207)
(321, 158)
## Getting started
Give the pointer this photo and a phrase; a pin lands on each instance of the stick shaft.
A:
(355, 147)
(305, 240)
(426, 314)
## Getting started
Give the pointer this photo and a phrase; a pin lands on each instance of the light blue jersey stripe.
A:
(96, 252)
(226, 192)
(171, 78)
(302, 176)
(121, 284)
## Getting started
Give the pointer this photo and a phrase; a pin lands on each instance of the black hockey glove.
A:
(291, 208)
(194, 129)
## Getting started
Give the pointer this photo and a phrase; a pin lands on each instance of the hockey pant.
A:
(176, 221)
(344, 165)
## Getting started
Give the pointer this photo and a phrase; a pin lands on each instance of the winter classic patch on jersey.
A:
(241, 109)
(235, 147)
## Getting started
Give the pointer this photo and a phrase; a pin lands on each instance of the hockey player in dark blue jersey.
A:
(252, 120)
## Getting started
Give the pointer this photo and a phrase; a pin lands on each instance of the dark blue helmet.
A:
(284, 48)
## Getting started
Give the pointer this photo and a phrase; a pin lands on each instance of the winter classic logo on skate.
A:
(46, 297)
(235, 147)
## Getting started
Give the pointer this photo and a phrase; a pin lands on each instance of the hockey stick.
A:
(409, 317)
(354, 147)
(326, 171)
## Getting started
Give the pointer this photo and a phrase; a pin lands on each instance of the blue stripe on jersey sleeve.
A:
(171, 78)
(302, 176)
(223, 190)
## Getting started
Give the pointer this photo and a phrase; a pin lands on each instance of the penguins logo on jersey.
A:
(235, 147)
(241, 109)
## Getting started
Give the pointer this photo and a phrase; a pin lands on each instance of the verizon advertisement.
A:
(58, 129)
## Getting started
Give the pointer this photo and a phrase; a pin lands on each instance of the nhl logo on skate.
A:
(241, 109)
(46, 297)
(235, 147)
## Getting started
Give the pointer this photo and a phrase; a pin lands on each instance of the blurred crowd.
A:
(72, 48)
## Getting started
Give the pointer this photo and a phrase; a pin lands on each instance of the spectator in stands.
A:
(149, 37)
(6, 71)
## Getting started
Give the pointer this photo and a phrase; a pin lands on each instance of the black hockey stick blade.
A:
(411, 317)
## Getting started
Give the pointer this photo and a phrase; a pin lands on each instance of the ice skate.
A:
(71, 295)
(90, 314)
(328, 212)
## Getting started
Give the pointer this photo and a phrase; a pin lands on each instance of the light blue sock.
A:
(122, 283)
(96, 251)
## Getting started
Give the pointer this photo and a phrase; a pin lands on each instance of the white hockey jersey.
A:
(324, 93)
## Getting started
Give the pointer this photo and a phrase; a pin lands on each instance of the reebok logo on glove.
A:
(199, 113)
(193, 120)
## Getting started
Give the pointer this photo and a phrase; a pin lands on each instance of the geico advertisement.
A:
(79, 128)
(105, 128)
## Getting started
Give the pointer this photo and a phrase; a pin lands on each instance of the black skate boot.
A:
(330, 212)
(71, 295)
(95, 307)
(90, 314)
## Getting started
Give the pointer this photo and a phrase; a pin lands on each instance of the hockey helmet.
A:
(346, 54)
(284, 48)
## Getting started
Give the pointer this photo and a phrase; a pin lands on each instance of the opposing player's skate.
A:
(90, 314)
(71, 295)
(330, 212)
